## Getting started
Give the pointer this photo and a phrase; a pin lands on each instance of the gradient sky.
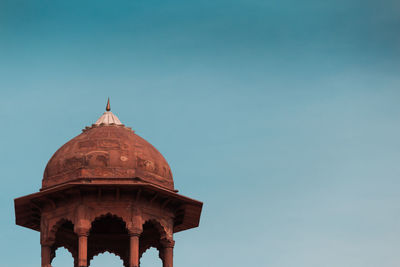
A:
(281, 116)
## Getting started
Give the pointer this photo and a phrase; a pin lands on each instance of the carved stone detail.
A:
(167, 243)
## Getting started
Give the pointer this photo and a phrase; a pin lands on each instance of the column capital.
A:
(82, 231)
(134, 234)
(135, 231)
(48, 242)
(167, 243)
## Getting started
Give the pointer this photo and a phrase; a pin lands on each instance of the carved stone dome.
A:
(107, 152)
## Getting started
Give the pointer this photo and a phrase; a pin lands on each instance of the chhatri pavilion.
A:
(107, 189)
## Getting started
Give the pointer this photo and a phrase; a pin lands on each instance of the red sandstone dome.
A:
(107, 152)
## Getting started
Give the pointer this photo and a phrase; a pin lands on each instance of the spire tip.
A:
(108, 108)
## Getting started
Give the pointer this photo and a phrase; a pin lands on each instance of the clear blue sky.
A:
(282, 116)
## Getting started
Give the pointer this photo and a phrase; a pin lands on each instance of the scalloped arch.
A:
(101, 214)
(147, 247)
(54, 228)
(68, 248)
(158, 225)
(102, 251)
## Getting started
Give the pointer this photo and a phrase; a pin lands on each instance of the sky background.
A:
(282, 116)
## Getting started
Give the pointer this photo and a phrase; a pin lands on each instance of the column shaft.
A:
(46, 256)
(168, 250)
(82, 251)
(134, 251)
(168, 257)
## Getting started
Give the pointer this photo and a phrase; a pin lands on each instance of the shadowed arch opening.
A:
(151, 236)
(109, 234)
(65, 238)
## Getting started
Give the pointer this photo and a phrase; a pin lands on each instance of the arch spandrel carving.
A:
(160, 224)
(49, 228)
(45, 232)
(167, 243)
(135, 222)
(168, 225)
(82, 219)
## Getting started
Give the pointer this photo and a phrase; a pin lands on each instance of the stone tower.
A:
(107, 189)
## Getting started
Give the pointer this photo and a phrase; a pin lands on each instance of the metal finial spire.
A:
(108, 108)
(108, 118)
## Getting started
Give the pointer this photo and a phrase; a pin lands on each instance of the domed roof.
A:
(107, 152)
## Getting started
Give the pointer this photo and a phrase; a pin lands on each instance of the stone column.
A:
(82, 228)
(134, 249)
(168, 250)
(82, 250)
(46, 256)
(82, 247)
(135, 229)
